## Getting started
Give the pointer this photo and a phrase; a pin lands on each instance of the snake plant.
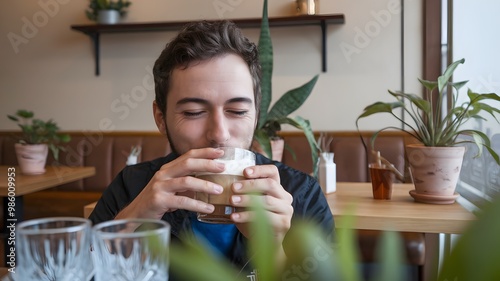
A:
(270, 120)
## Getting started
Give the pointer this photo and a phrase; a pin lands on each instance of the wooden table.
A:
(55, 175)
(13, 185)
(87, 209)
(401, 213)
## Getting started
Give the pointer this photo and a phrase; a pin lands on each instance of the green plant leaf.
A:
(475, 255)
(192, 255)
(390, 256)
(26, 114)
(421, 103)
(458, 85)
(429, 85)
(475, 97)
(304, 125)
(311, 254)
(443, 79)
(262, 243)
(265, 46)
(481, 140)
(103, 4)
(292, 100)
(478, 107)
(379, 107)
(264, 141)
(348, 251)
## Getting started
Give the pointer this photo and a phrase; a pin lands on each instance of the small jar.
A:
(307, 7)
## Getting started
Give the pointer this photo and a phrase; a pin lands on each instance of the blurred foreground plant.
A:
(475, 256)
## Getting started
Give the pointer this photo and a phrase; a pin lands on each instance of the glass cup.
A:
(131, 250)
(235, 160)
(54, 249)
(382, 180)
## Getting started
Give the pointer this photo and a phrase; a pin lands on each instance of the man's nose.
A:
(218, 130)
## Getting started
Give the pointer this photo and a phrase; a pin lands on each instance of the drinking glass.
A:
(131, 250)
(54, 249)
(382, 178)
(235, 160)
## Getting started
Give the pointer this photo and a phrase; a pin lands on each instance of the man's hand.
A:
(277, 202)
(172, 187)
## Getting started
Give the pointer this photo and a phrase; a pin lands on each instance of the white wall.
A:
(50, 68)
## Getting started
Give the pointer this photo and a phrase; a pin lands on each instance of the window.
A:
(468, 32)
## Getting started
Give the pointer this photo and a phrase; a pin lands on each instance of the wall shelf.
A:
(95, 30)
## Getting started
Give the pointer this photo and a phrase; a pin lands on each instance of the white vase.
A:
(32, 158)
(108, 16)
(327, 172)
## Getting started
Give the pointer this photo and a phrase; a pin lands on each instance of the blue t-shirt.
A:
(219, 237)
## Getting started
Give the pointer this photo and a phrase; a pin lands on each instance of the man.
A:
(207, 84)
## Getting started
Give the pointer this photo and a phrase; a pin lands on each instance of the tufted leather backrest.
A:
(108, 151)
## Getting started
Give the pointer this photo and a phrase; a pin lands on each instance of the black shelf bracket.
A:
(95, 40)
(323, 45)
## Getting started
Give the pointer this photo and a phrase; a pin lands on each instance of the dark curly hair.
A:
(200, 41)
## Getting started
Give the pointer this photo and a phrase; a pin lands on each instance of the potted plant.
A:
(270, 120)
(107, 11)
(439, 132)
(36, 138)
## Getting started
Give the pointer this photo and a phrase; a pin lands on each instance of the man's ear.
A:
(159, 119)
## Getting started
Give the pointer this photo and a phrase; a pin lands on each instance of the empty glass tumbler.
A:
(54, 249)
(131, 250)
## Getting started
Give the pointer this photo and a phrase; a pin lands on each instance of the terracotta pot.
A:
(435, 170)
(277, 147)
(32, 158)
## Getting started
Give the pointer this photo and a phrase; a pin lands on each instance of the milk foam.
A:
(236, 167)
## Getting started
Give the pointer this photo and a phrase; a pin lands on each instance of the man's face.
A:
(210, 104)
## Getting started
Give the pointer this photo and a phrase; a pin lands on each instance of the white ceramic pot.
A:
(108, 16)
(32, 158)
(435, 170)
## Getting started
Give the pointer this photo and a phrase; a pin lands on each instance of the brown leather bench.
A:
(108, 151)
